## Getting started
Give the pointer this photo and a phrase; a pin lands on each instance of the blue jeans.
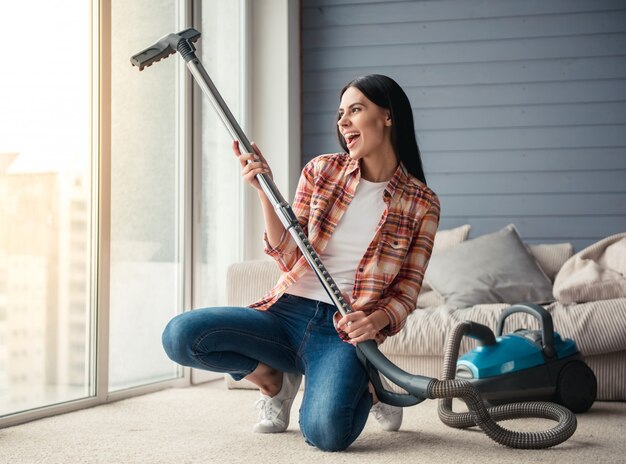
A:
(294, 335)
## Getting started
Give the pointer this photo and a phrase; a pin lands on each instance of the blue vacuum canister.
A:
(530, 365)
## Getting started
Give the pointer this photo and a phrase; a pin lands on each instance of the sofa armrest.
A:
(248, 281)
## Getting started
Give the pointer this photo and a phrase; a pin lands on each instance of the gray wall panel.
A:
(477, 95)
(563, 114)
(549, 70)
(520, 107)
(425, 32)
(501, 138)
(531, 204)
(338, 12)
(479, 51)
(511, 161)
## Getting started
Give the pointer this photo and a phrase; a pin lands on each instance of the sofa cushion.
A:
(493, 268)
(597, 327)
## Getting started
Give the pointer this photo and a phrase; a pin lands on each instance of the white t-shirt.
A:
(346, 247)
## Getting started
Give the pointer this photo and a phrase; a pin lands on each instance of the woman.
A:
(372, 219)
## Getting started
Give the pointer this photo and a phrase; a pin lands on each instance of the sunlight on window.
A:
(45, 153)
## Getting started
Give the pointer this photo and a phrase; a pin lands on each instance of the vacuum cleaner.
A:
(529, 365)
(417, 387)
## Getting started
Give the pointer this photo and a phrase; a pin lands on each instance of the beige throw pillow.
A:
(596, 273)
(444, 239)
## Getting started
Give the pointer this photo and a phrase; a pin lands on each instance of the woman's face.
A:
(365, 126)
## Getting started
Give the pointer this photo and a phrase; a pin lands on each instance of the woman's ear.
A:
(388, 122)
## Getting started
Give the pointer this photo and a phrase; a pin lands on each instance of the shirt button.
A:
(361, 269)
(395, 242)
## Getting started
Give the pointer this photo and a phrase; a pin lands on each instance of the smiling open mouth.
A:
(351, 139)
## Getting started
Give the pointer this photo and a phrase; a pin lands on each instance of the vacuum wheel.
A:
(576, 387)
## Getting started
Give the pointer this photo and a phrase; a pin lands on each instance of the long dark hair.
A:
(386, 93)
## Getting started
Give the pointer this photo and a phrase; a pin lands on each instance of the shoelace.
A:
(267, 411)
(383, 411)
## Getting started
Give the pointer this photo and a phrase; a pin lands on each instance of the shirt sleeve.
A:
(286, 252)
(401, 297)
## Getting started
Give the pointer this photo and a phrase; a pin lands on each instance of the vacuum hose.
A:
(485, 418)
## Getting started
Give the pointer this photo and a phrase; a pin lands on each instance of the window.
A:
(220, 235)
(45, 187)
(59, 349)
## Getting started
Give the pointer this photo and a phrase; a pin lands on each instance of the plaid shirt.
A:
(390, 274)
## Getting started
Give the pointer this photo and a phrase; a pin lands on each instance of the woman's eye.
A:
(351, 110)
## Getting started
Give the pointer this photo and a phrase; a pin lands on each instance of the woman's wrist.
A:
(380, 319)
(263, 197)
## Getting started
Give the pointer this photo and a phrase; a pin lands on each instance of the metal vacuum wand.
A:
(183, 42)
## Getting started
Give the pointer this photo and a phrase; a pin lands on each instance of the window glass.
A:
(220, 202)
(45, 206)
(146, 210)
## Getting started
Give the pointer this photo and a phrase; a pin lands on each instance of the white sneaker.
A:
(389, 417)
(274, 412)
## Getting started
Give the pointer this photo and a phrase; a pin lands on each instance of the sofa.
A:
(477, 279)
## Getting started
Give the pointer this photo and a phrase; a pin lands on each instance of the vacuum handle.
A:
(375, 362)
(545, 320)
(480, 332)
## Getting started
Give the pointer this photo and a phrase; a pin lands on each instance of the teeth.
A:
(350, 135)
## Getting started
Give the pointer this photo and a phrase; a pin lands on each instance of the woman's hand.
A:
(257, 166)
(360, 327)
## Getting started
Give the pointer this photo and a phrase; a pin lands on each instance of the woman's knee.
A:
(201, 331)
(177, 339)
(326, 434)
(333, 422)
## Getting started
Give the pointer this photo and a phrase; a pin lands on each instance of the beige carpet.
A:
(209, 424)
